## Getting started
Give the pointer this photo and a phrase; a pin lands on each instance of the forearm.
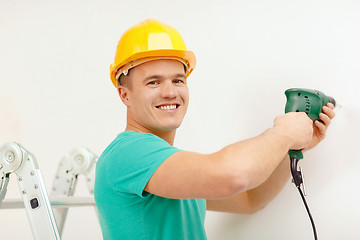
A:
(260, 196)
(257, 198)
(255, 159)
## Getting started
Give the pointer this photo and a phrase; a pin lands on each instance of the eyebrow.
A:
(177, 75)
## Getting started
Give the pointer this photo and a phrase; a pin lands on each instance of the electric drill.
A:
(310, 102)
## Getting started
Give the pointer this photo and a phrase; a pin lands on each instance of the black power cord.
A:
(308, 211)
(297, 178)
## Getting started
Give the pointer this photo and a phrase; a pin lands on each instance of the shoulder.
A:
(135, 139)
(130, 143)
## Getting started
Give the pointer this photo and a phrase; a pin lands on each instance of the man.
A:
(147, 189)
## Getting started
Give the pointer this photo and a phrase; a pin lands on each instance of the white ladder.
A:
(46, 216)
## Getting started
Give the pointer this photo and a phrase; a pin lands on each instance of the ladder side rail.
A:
(78, 161)
(4, 181)
(32, 189)
(63, 186)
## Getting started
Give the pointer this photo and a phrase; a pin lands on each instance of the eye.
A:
(153, 83)
(179, 81)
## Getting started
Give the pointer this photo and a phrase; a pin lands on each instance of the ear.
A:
(123, 93)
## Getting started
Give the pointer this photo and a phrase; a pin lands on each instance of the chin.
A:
(170, 127)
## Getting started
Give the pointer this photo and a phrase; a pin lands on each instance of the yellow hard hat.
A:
(146, 41)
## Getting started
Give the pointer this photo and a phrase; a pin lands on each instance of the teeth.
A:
(168, 107)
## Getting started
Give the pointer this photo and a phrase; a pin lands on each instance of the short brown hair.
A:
(123, 79)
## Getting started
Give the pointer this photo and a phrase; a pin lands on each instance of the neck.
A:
(167, 135)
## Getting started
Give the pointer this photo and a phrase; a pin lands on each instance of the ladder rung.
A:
(57, 202)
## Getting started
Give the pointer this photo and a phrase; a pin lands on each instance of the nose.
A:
(168, 90)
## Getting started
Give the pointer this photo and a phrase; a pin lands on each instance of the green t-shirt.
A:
(125, 210)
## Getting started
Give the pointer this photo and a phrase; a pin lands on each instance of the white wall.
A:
(55, 94)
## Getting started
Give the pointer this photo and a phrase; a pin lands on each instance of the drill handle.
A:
(296, 154)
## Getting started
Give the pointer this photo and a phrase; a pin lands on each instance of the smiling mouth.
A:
(168, 107)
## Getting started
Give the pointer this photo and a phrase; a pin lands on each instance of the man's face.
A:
(156, 95)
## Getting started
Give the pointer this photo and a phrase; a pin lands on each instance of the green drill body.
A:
(308, 101)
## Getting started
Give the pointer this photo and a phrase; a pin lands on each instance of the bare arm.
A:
(236, 168)
(255, 199)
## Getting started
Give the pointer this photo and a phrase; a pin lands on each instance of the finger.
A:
(321, 127)
(325, 119)
(329, 111)
(330, 105)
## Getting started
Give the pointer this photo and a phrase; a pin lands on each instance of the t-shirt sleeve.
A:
(135, 162)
